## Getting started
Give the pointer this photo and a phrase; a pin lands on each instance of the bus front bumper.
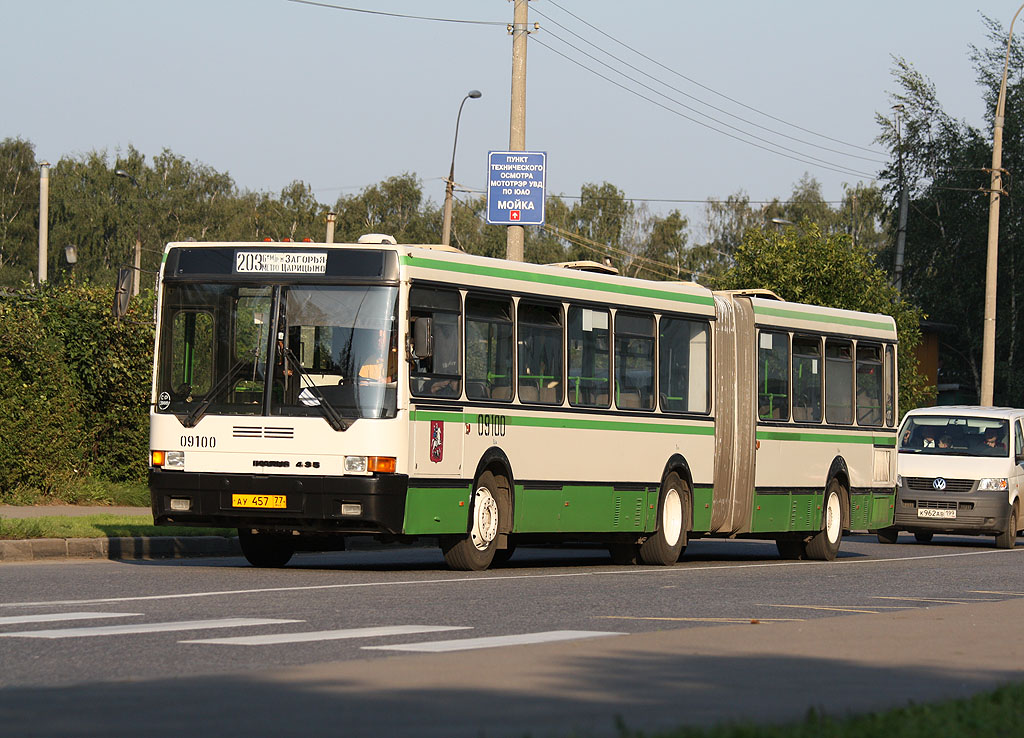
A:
(351, 504)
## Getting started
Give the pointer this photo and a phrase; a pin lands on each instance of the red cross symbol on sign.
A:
(513, 215)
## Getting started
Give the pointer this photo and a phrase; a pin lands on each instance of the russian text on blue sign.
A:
(516, 182)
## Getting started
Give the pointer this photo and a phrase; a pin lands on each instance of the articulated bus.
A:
(308, 393)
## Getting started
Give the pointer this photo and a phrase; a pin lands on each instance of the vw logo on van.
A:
(939, 483)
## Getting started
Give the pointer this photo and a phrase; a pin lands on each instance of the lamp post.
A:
(138, 235)
(988, 346)
(446, 225)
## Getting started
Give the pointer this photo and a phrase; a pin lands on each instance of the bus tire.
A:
(664, 546)
(825, 544)
(887, 535)
(265, 549)
(1008, 538)
(475, 550)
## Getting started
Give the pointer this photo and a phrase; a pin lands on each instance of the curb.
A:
(155, 547)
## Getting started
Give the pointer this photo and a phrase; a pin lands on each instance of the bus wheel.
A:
(1008, 538)
(887, 535)
(663, 547)
(475, 550)
(502, 555)
(825, 544)
(265, 549)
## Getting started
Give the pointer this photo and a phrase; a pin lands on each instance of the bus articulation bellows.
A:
(308, 393)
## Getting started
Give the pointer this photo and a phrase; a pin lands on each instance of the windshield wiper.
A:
(337, 422)
(219, 386)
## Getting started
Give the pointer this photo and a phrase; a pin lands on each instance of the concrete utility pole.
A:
(332, 218)
(901, 234)
(44, 217)
(988, 346)
(517, 119)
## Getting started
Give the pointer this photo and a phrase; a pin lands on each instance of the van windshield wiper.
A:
(333, 417)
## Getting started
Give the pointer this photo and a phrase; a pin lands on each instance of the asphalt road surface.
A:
(391, 643)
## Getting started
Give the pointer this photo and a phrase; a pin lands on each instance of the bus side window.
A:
(773, 376)
(634, 361)
(869, 384)
(683, 353)
(838, 381)
(540, 354)
(488, 348)
(890, 386)
(807, 376)
(589, 357)
(436, 374)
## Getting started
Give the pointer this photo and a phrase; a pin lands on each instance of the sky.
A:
(273, 91)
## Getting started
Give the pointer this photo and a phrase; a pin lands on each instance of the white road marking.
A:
(329, 635)
(466, 644)
(107, 630)
(57, 616)
(935, 600)
(471, 579)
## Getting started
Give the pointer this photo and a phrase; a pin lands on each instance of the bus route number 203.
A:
(490, 425)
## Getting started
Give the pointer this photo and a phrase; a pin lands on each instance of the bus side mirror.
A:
(422, 338)
(122, 293)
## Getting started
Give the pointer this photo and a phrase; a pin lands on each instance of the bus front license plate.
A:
(930, 513)
(276, 502)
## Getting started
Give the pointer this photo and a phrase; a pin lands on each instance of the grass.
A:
(101, 525)
(996, 713)
(81, 491)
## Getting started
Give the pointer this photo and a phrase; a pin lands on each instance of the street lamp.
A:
(988, 346)
(446, 226)
(138, 234)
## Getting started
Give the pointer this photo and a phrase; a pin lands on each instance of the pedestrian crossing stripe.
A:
(108, 630)
(328, 635)
(60, 616)
(466, 644)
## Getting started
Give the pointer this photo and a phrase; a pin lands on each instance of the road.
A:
(391, 643)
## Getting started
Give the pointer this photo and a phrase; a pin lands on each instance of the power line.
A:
(814, 161)
(691, 97)
(705, 87)
(398, 15)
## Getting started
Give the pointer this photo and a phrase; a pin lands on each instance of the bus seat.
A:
(528, 393)
(503, 392)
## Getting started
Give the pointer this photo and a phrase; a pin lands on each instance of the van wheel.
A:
(923, 536)
(663, 547)
(474, 551)
(1008, 538)
(825, 544)
(624, 554)
(792, 549)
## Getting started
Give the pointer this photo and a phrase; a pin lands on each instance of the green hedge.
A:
(74, 390)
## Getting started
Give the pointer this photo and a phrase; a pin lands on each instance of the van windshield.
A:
(954, 435)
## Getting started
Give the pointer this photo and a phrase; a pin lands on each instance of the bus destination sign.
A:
(280, 262)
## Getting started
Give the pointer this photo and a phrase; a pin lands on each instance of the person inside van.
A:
(928, 439)
(945, 441)
(993, 445)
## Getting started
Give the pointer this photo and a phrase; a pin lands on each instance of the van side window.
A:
(1018, 439)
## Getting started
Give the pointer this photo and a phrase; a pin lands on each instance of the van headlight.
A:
(993, 484)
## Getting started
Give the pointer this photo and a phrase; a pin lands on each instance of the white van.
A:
(959, 470)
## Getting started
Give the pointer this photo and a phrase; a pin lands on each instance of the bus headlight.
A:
(370, 464)
(992, 485)
(167, 459)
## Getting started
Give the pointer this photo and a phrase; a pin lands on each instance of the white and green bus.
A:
(308, 393)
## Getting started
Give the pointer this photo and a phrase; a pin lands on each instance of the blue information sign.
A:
(515, 187)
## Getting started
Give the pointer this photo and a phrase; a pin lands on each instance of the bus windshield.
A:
(954, 435)
(333, 352)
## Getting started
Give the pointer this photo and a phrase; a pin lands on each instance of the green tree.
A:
(943, 163)
(19, 210)
(802, 264)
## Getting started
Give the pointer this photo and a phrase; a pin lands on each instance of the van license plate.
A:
(927, 512)
(263, 501)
